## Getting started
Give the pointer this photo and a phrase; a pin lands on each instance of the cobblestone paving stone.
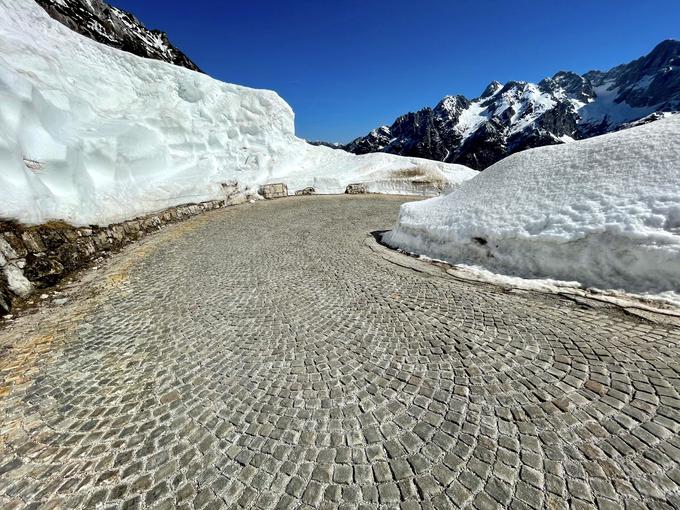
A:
(265, 357)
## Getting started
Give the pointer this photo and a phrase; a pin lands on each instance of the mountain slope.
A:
(519, 115)
(114, 27)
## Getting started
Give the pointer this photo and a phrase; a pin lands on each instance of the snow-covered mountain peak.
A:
(518, 115)
(452, 103)
(449, 109)
(491, 89)
(566, 84)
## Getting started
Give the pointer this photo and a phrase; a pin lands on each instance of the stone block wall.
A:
(37, 257)
(356, 189)
(306, 191)
(276, 190)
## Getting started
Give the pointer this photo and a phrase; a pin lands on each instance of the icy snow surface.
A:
(93, 135)
(606, 108)
(603, 211)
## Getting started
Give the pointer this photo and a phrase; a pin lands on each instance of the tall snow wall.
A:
(93, 135)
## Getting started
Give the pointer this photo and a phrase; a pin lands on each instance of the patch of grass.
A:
(60, 225)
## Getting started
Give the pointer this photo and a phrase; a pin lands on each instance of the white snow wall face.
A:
(91, 134)
(603, 211)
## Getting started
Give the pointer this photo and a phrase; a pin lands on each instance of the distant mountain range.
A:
(114, 27)
(520, 115)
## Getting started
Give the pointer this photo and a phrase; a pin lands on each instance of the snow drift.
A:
(92, 135)
(603, 211)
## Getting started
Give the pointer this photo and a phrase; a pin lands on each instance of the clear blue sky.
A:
(348, 66)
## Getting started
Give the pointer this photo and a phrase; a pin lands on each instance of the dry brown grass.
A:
(56, 225)
(7, 225)
(416, 171)
(421, 176)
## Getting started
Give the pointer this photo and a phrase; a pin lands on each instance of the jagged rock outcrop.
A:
(519, 115)
(114, 27)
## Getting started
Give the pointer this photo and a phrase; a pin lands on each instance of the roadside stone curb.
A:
(630, 304)
(37, 257)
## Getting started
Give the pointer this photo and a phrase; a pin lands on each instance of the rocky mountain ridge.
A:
(117, 28)
(519, 115)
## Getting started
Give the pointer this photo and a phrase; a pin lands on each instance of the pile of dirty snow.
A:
(603, 211)
(93, 135)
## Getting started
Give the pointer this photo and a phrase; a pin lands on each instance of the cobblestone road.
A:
(264, 357)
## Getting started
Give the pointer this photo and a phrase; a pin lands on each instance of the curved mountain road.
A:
(263, 356)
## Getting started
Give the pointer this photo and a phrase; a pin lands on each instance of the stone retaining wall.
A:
(36, 257)
(274, 190)
(357, 188)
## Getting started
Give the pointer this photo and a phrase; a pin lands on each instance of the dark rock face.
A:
(375, 141)
(491, 89)
(518, 115)
(484, 147)
(648, 81)
(5, 296)
(43, 271)
(114, 27)
(571, 84)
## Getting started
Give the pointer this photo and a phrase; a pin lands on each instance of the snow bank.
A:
(331, 170)
(93, 135)
(603, 211)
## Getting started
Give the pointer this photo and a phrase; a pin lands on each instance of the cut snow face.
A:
(603, 211)
(93, 135)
